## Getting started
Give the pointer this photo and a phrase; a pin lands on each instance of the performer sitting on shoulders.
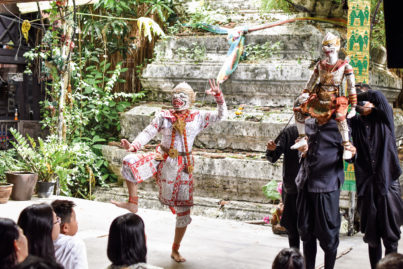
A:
(326, 97)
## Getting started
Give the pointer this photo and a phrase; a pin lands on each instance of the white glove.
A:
(351, 113)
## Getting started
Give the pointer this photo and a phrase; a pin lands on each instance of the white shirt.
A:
(70, 252)
(134, 266)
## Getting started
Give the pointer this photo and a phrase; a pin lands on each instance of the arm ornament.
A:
(219, 98)
(353, 99)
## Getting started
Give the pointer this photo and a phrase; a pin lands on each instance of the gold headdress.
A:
(331, 39)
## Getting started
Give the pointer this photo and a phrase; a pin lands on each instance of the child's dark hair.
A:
(63, 209)
(391, 261)
(127, 242)
(289, 258)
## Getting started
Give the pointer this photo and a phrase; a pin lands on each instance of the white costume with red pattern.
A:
(175, 184)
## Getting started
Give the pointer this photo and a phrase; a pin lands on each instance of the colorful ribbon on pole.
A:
(236, 39)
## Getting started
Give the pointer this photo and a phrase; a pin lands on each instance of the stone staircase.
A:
(230, 166)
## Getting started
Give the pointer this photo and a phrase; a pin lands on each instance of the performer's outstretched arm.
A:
(222, 111)
(145, 136)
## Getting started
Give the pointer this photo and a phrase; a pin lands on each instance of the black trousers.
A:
(289, 218)
(380, 218)
(319, 219)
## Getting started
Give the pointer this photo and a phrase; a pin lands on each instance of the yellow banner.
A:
(358, 29)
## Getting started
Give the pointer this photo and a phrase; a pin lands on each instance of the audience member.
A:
(127, 243)
(391, 261)
(34, 262)
(13, 246)
(41, 226)
(70, 250)
(289, 258)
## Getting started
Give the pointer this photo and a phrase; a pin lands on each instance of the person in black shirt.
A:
(291, 165)
(377, 170)
(319, 180)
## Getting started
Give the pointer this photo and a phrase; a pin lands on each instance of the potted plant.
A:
(49, 159)
(5, 191)
(13, 171)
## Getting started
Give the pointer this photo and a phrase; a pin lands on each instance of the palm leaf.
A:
(149, 28)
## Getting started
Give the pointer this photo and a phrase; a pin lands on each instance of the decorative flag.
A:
(358, 29)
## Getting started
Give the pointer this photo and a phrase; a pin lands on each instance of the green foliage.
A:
(149, 27)
(75, 165)
(175, 28)
(205, 14)
(10, 162)
(270, 190)
(378, 37)
(97, 108)
(163, 8)
(91, 109)
(270, 5)
(48, 159)
(255, 52)
(197, 53)
(113, 35)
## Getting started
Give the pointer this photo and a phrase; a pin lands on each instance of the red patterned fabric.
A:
(169, 114)
(145, 160)
(180, 214)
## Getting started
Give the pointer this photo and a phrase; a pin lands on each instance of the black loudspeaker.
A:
(394, 33)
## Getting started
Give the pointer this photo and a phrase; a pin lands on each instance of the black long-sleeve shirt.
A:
(291, 160)
(374, 137)
(322, 168)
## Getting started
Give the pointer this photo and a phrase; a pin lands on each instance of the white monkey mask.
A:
(182, 97)
(331, 45)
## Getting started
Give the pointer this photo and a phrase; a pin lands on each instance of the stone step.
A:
(264, 84)
(237, 182)
(247, 132)
(226, 11)
(294, 42)
(190, 6)
(225, 175)
(273, 83)
(234, 5)
(203, 206)
(321, 8)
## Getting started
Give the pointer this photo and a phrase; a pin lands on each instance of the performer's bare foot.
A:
(126, 205)
(177, 257)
